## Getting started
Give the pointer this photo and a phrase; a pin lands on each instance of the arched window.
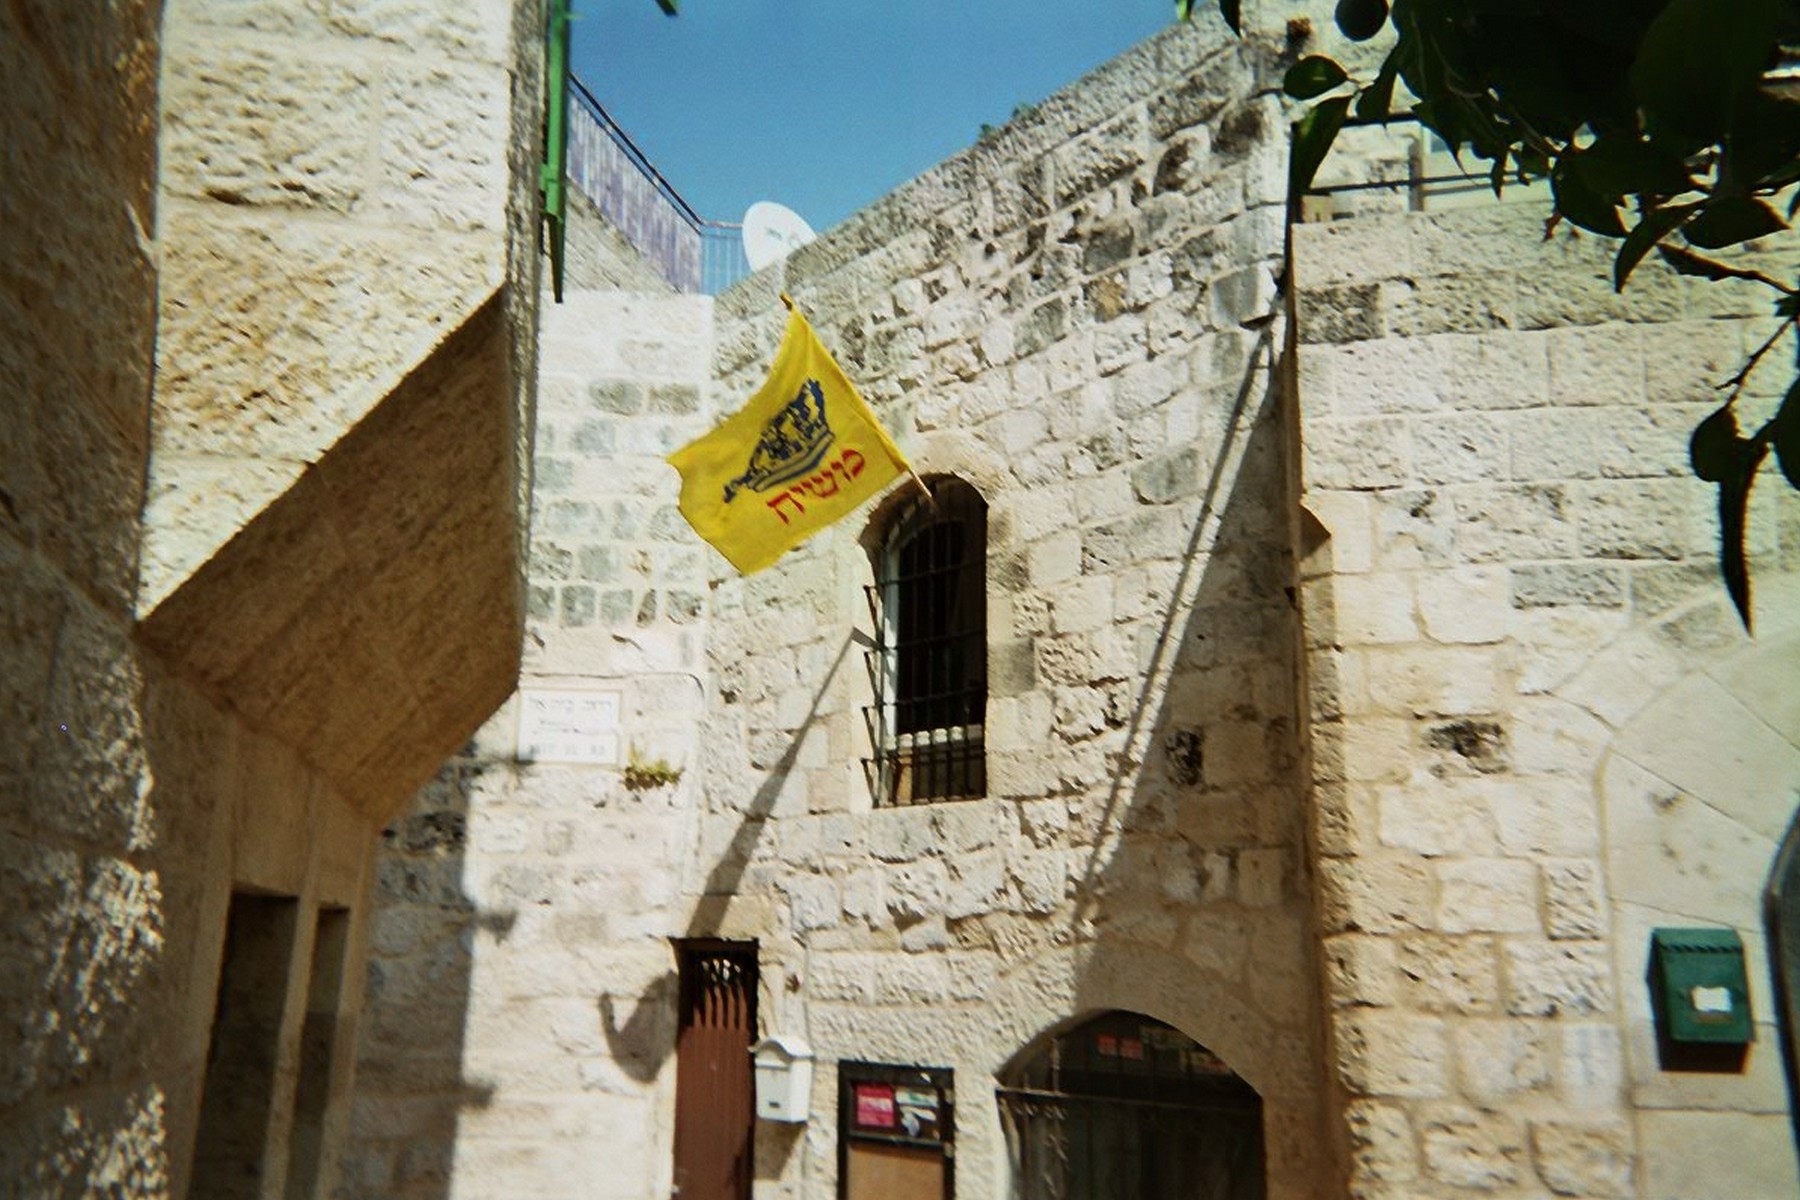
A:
(1123, 1105)
(929, 663)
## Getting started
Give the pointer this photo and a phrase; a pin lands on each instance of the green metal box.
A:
(1698, 987)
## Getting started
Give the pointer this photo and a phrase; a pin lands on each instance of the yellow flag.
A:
(803, 453)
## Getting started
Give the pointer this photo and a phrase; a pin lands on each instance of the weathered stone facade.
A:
(218, 670)
(1346, 647)
(1080, 317)
(1538, 730)
(1361, 692)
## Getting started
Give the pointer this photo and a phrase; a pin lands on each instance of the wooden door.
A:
(714, 1102)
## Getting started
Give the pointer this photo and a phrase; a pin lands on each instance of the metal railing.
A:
(722, 261)
(612, 171)
(1401, 158)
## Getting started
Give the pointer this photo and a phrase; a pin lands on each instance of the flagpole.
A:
(920, 484)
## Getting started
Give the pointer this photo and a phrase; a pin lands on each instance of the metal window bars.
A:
(928, 666)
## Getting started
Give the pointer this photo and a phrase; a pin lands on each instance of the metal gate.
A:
(1127, 1107)
(714, 1101)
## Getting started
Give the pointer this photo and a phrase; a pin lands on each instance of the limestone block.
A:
(1056, 559)
(1383, 1145)
(1262, 876)
(1362, 380)
(442, 149)
(1471, 605)
(1592, 1066)
(1448, 974)
(250, 123)
(1374, 609)
(477, 31)
(1573, 900)
(1466, 1148)
(1435, 817)
(1672, 850)
(1414, 529)
(88, 777)
(1489, 895)
(1550, 978)
(1500, 1059)
(106, 1144)
(1733, 761)
(1357, 455)
(1495, 371)
(1597, 365)
(1436, 681)
(1549, 444)
(1362, 971)
(1393, 1054)
(1041, 880)
(1550, 815)
(1459, 449)
(1516, 521)
(1373, 895)
(976, 885)
(1376, 750)
(1583, 1158)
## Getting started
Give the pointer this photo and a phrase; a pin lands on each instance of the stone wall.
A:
(1078, 316)
(1539, 729)
(139, 789)
(520, 1001)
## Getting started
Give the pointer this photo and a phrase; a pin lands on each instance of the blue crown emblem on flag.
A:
(792, 443)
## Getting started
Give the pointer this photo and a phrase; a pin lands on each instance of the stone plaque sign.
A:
(568, 726)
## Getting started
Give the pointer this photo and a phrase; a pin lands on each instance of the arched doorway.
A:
(1122, 1105)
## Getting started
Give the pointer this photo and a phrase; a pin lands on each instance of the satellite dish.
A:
(772, 232)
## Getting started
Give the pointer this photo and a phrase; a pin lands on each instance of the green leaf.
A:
(1656, 224)
(1716, 445)
(1728, 220)
(1734, 504)
(1785, 436)
(1580, 203)
(1624, 166)
(1184, 10)
(1377, 100)
(1232, 11)
(1313, 135)
(1696, 61)
(1312, 76)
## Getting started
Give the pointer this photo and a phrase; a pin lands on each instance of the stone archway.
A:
(1120, 1104)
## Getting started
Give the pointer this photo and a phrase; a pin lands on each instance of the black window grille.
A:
(929, 661)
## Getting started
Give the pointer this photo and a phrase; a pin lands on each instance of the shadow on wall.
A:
(648, 1037)
(1195, 854)
(411, 1093)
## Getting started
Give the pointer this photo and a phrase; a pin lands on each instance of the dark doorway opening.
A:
(1123, 1105)
(232, 1144)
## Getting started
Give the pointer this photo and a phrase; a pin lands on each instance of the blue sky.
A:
(825, 105)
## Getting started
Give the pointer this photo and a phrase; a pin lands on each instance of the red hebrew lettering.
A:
(817, 484)
(855, 468)
(789, 496)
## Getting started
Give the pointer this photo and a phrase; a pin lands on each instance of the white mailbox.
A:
(784, 1067)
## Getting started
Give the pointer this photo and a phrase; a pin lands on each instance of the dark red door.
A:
(714, 1104)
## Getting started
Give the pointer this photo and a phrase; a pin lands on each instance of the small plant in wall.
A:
(642, 774)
